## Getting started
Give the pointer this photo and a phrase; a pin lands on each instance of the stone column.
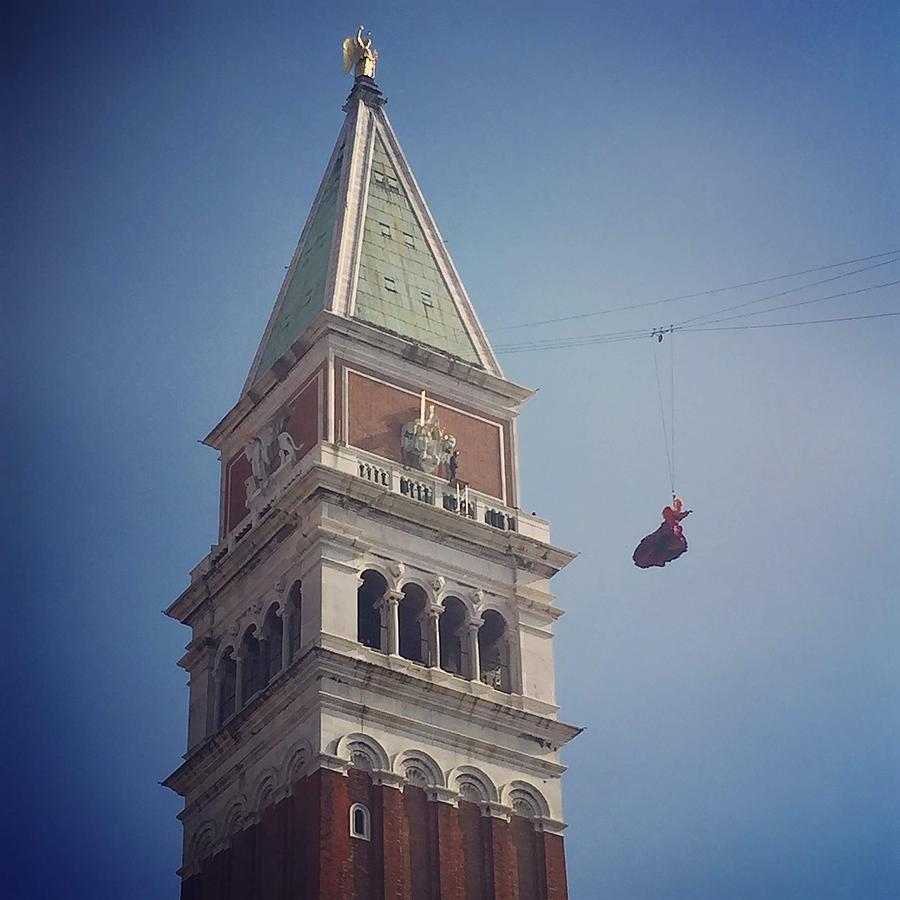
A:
(389, 606)
(430, 624)
(219, 680)
(239, 680)
(264, 658)
(287, 627)
(474, 673)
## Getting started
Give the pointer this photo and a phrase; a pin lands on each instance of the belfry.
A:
(372, 705)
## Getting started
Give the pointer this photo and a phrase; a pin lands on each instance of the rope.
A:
(662, 415)
(672, 396)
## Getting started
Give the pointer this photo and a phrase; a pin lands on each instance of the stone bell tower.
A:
(372, 703)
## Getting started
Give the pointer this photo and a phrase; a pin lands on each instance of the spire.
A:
(370, 249)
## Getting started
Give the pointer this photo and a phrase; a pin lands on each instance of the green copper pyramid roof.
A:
(371, 251)
(400, 286)
(304, 296)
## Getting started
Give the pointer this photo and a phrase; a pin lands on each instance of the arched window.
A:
(251, 665)
(409, 614)
(273, 629)
(360, 822)
(227, 678)
(493, 651)
(451, 625)
(295, 598)
(368, 616)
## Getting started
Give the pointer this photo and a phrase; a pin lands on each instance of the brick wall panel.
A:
(421, 874)
(554, 856)
(503, 860)
(390, 835)
(451, 865)
(335, 852)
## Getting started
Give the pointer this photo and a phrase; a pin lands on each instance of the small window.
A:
(385, 229)
(392, 184)
(408, 239)
(308, 297)
(390, 284)
(379, 178)
(360, 822)
(426, 299)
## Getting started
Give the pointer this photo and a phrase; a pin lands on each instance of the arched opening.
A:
(227, 678)
(368, 615)
(451, 625)
(409, 616)
(360, 822)
(273, 630)
(295, 598)
(251, 665)
(493, 651)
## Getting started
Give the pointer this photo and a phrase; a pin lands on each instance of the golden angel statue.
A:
(359, 55)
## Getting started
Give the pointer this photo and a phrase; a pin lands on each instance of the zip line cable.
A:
(706, 293)
(788, 324)
(698, 328)
(563, 340)
(792, 290)
(581, 340)
(759, 312)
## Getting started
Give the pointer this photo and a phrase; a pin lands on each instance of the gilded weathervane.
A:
(359, 55)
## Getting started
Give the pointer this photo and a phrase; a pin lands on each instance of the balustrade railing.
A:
(418, 486)
(375, 474)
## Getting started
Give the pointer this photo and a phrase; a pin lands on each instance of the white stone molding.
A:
(496, 811)
(356, 748)
(227, 643)
(295, 761)
(395, 573)
(385, 778)
(265, 791)
(418, 768)
(472, 784)
(524, 799)
(201, 846)
(419, 582)
(442, 795)
(332, 763)
(466, 601)
(364, 833)
(385, 571)
(235, 817)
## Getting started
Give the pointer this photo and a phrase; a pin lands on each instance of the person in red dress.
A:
(667, 542)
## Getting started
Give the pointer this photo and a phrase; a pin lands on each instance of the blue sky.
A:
(741, 706)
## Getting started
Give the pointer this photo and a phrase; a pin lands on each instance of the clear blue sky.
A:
(742, 707)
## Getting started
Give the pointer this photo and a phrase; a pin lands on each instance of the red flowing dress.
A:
(665, 544)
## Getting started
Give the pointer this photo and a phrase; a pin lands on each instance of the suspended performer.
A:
(667, 542)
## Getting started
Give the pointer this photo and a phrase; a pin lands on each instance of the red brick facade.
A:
(377, 412)
(304, 424)
(301, 849)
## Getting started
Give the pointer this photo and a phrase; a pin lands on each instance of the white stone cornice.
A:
(332, 763)
(552, 826)
(496, 810)
(442, 795)
(386, 778)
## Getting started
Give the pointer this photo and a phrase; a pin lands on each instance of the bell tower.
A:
(372, 704)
